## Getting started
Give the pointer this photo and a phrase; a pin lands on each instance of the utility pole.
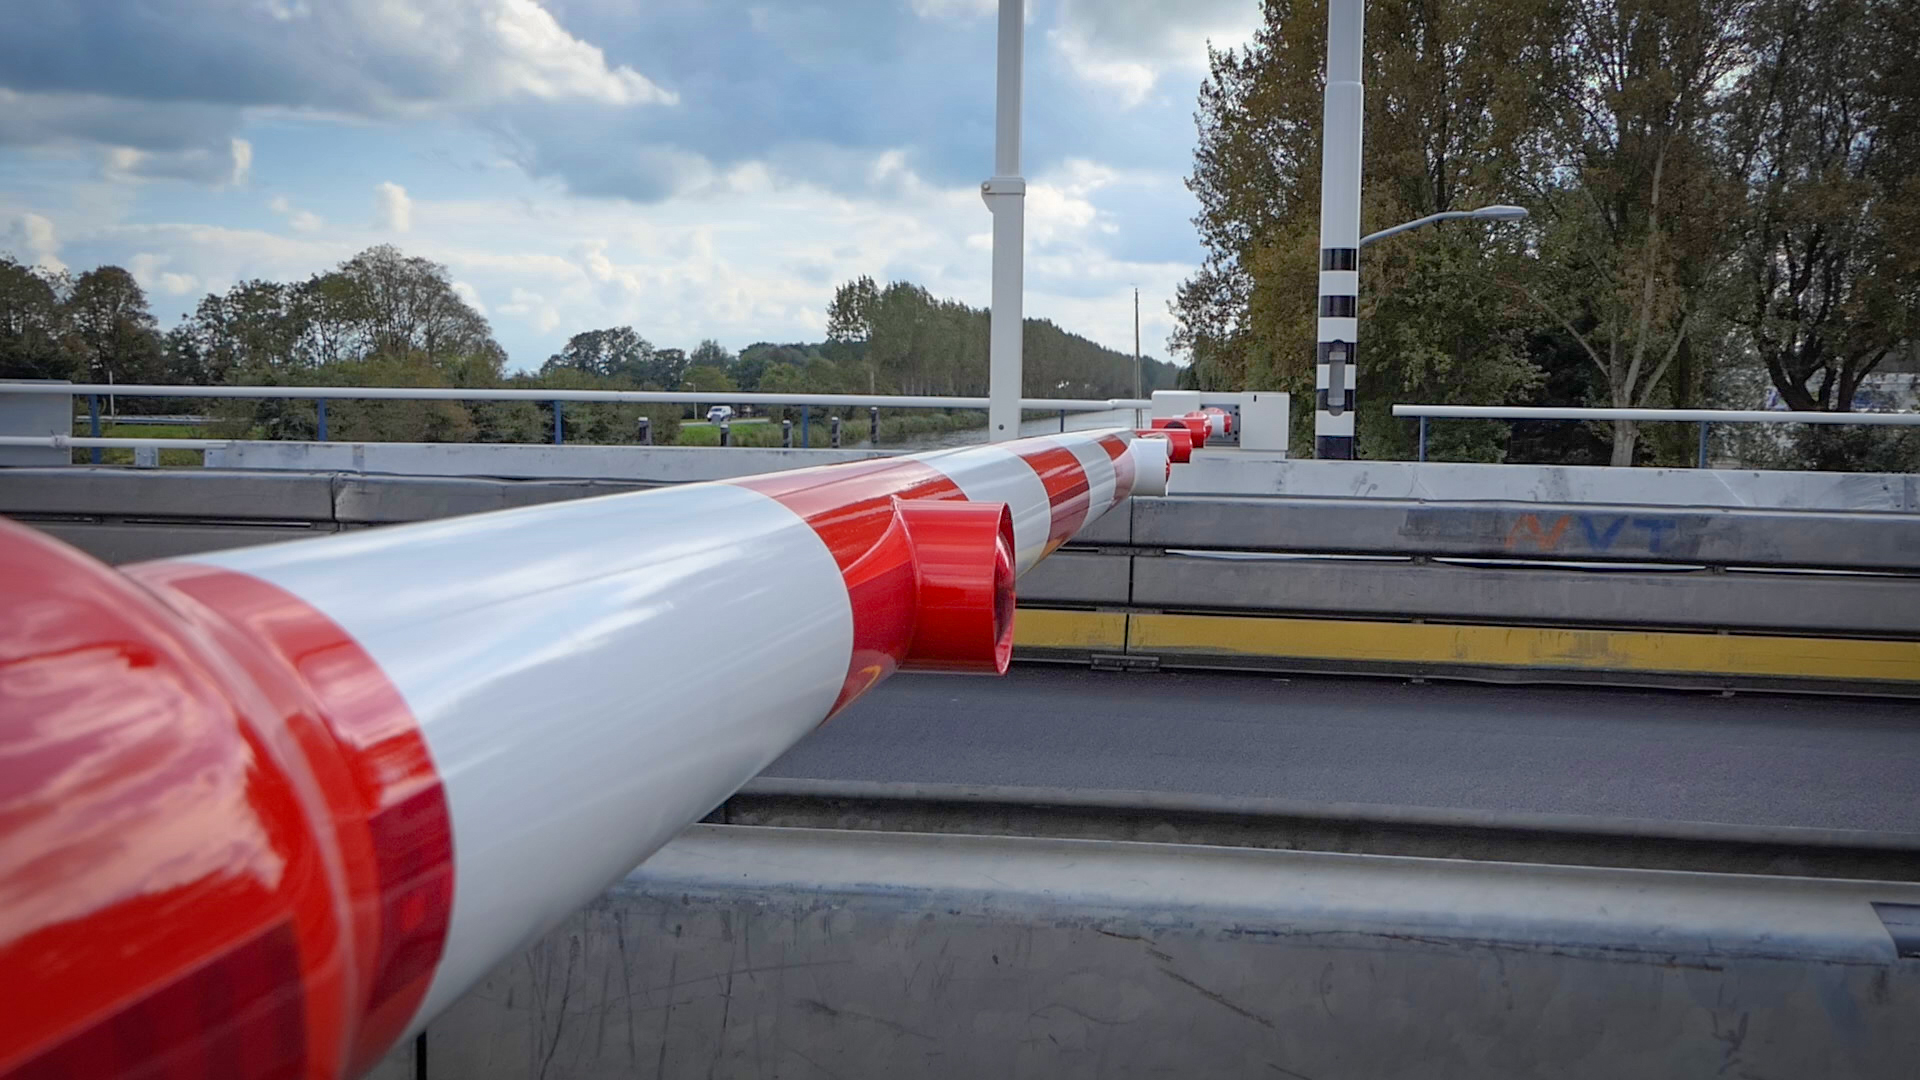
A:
(1338, 351)
(1005, 194)
(1136, 343)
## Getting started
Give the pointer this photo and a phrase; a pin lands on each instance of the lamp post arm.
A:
(1407, 226)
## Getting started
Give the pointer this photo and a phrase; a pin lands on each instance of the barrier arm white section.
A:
(427, 744)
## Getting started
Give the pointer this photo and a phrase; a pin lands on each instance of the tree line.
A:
(1724, 198)
(384, 318)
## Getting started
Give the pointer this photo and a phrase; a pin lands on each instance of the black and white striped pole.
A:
(1338, 351)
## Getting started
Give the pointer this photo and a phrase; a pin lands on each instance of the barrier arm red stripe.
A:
(265, 812)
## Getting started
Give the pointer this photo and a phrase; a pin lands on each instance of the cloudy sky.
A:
(694, 168)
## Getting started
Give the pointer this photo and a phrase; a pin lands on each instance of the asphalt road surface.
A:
(1749, 759)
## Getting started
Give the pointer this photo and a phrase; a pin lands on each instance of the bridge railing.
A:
(321, 395)
(1706, 418)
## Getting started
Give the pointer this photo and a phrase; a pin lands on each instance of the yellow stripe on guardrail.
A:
(1095, 631)
(1527, 647)
(1510, 647)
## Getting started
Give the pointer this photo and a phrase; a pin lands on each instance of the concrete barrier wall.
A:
(1852, 540)
(1231, 473)
(743, 951)
(1572, 589)
(1633, 532)
(1872, 606)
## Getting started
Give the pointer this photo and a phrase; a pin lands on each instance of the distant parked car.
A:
(719, 413)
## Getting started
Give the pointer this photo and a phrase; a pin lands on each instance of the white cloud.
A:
(752, 251)
(1131, 79)
(285, 10)
(179, 118)
(242, 152)
(471, 295)
(35, 235)
(1126, 46)
(954, 9)
(230, 165)
(537, 57)
(299, 220)
(146, 270)
(758, 258)
(1059, 206)
(396, 207)
(533, 307)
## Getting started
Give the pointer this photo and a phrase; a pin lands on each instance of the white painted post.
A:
(1005, 194)
(1339, 234)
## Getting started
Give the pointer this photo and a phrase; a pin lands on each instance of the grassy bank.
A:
(124, 455)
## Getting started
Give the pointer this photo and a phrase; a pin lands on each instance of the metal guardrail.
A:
(454, 393)
(320, 395)
(1764, 599)
(1400, 528)
(1511, 530)
(1815, 572)
(126, 515)
(1706, 418)
(1527, 563)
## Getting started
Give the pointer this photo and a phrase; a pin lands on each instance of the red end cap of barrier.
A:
(963, 563)
(1197, 425)
(1212, 423)
(168, 906)
(1226, 418)
(1196, 429)
(1179, 442)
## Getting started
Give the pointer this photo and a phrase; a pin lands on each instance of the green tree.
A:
(901, 339)
(381, 318)
(710, 353)
(112, 328)
(33, 324)
(850, 323)
(182, 359)
(404, 304)
(667, 368)
(707, 379)
(1629, 254)
(616, 353)
(1824, 132)
(254, 328)
(1454, 104)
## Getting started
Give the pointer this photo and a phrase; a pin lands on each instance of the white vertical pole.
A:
(1006, 196)
(1338, 351)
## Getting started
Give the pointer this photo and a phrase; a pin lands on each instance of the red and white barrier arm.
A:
(264, 812)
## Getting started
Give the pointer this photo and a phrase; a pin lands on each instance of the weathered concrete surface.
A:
(650, 464)
(774, 953)
(1230, 472)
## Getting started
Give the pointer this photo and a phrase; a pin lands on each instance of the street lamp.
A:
(1484, 213)
(1339, 234)
(1337, 353)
